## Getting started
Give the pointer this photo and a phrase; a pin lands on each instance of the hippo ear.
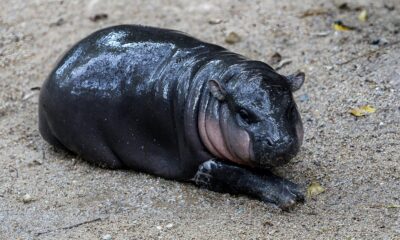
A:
(216, 89)
(295, 80)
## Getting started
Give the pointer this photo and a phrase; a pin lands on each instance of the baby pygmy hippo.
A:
(162, 102)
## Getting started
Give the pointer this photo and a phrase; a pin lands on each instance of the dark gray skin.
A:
(165, 103)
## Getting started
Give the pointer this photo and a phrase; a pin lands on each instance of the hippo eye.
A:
(244, 115)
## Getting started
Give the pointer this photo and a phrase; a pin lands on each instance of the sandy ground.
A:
(355, 159)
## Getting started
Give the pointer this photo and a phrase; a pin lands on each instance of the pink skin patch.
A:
(216, 139)
(237, 139)
(204, 137)
(239, 143)
(227, 141)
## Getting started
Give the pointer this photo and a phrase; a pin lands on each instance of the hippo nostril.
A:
(269, 142)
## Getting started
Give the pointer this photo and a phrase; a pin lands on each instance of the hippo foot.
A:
(204, 176)
(221, 177)
(281, 192)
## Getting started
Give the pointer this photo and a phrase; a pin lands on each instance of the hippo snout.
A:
(275, 153)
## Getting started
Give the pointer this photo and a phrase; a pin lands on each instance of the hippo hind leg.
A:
(102, 156)
(47, 134)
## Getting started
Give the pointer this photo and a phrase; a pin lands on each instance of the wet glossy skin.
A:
(139, 97)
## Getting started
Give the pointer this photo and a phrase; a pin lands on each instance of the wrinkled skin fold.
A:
(162, 102)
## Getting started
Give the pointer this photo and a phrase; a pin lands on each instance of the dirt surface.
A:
(46, 193)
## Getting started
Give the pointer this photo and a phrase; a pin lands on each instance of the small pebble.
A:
(98, 17)
(232, 38)
(379, 42)
(59, 22)
(169, 225)
(304, 98)
(321, 34)
(27, 198)
(329, 68)
(106, 237)
(214, 21)
(159, 227)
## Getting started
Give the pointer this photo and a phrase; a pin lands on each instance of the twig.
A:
(16, 171)
(27, 96)
(283, 63)
(68, 227)
(368, 53)
(43, 154)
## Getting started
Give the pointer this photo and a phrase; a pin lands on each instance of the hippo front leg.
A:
(222, 177)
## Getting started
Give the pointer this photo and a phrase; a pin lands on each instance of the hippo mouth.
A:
(274, 159)
(268, 162)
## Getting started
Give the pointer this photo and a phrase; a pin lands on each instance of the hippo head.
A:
(253, 120)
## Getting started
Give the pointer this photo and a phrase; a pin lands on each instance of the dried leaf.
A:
(315, 189)
(362, 111)
(340, 26)
(393, 206)
(363, 16)
(368, 108)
